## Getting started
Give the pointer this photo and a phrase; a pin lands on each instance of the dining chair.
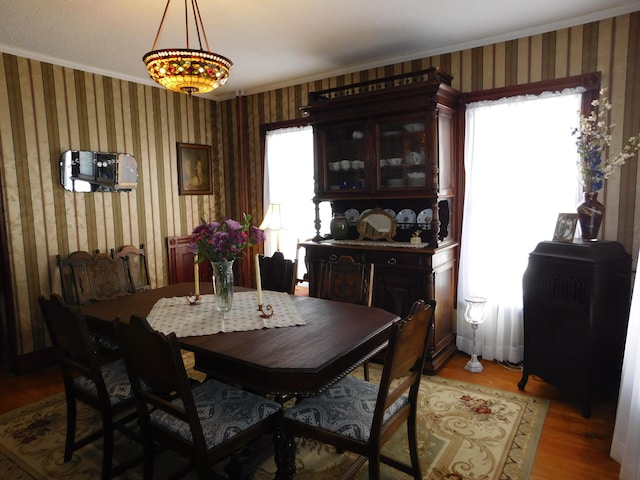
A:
(371, 413)
(69, 268)
(105, 387)
(105, 279)
(278, 273)
(90, 278)
(180, 256)
(136, 268)
(205, 423)
(345, 280)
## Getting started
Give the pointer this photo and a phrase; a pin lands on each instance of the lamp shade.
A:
(474, 311)
(273, 219)
(187, 70)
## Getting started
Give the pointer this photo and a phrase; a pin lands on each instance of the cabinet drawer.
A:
(400, 259)
(332, 254)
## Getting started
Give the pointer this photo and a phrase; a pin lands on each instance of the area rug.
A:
(466, 432)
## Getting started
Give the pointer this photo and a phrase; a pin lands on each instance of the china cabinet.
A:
(576, 309)
(388, 140)
(393, 144)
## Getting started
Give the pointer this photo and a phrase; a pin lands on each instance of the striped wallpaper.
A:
(46, 109)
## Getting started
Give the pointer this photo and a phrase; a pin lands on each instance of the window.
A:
(288, 181)
(520, 172)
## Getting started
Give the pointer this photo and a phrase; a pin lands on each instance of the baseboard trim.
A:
(31, 362)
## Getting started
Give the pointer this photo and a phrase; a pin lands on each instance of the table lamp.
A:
(474, 315)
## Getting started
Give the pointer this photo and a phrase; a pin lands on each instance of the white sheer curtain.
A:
(288, 181)
(626, 434)
(520, 172)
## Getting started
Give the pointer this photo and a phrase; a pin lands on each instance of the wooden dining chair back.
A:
(135, 265)
(92, 278)
(278, 273)
(345, 280)
(69, 268)
(362, 430)
(105, 388)
(180, 256)
(106, 279)
(201, 421)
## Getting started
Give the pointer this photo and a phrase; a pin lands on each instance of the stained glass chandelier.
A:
(187, 70)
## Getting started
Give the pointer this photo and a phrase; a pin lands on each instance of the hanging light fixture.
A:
(187, 70)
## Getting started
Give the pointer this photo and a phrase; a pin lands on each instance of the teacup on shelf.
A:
(414, 158)
(334, 166)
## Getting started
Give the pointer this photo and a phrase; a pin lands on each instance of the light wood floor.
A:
(571, 447)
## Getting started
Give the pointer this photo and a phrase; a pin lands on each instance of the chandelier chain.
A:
(164, 14)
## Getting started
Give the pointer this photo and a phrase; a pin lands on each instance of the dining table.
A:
(322, 341)
(331, 341)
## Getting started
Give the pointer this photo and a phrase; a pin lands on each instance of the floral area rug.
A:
(466, 432)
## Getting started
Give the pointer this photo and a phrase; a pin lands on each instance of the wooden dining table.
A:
(298, 360)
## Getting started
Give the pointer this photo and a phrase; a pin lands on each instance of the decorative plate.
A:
(424, 219)
(406, 218)
(390, 212)
(364, 212)
(352, 215)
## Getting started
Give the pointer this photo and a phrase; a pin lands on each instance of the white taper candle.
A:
(196, 275)
(258, 280)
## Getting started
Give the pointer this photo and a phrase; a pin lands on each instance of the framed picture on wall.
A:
(565, 227)
(195, 167)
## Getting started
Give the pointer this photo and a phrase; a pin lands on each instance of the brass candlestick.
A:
(193, 299)
(267, 310)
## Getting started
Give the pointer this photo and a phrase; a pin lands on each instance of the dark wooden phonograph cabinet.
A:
(576, 310)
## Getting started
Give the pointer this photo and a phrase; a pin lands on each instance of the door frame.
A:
(8, 339)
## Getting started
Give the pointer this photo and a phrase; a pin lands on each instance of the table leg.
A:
(284, 446)
(243, 463)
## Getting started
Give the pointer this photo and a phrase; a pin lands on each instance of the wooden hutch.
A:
(394, 144)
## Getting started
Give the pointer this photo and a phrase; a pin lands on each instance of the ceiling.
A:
(276, 43)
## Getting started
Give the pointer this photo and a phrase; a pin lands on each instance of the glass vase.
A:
(590, 213)
(223, 284)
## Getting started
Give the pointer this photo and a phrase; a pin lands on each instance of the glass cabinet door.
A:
(344, 159)
(401, 152)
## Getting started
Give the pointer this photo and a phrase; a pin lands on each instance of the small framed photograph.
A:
(195, 166)
(565, 227)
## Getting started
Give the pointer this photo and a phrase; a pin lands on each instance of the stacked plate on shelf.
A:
(396, 182)
(424, 219)
(416, 179)
(352, 215)
(407, 219)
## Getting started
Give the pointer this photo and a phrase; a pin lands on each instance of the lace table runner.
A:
(176, 315)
